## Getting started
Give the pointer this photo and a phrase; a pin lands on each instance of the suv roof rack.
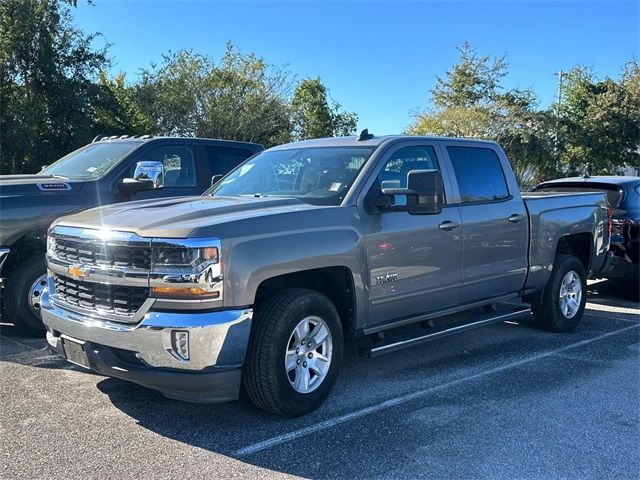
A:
(98, 137)
(146, 136)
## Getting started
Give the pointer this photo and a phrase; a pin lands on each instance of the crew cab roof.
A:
(376, 141)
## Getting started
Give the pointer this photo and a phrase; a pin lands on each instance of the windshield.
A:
(90, 161)
(320, 175)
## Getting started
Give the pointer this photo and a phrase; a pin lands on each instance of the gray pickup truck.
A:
(108, 170)
(390, 241)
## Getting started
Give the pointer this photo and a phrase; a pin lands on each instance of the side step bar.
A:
(397, 343)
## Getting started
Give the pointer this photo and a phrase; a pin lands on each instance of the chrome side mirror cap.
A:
(150, 173)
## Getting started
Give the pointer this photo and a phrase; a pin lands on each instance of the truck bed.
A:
(553, 215)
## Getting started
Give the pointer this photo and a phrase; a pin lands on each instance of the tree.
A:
(599, 121)
(47, 83)
(469, 102)
(241, 98)
(314, 117)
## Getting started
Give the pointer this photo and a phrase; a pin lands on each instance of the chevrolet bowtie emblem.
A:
(76, 271)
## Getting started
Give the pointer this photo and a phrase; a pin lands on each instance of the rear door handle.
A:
(448, 225)
(515, 218)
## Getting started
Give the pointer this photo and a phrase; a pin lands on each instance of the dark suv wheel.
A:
(24, 289)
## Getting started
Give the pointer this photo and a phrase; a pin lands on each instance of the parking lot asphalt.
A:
(505, 401)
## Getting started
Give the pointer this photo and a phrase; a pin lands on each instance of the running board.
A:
(397, 343)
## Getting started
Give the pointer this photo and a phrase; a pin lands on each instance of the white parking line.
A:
(332, 422)
(612, 317)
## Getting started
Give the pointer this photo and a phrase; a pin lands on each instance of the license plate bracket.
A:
(74, 351)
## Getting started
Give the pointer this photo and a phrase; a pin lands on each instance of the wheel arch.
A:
(32, 243)
(335, 282)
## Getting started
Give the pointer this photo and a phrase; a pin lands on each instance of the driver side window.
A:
(394, 173)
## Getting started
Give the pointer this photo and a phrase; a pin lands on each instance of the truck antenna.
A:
(365, 135)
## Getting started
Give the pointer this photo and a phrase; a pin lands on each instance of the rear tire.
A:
(24, 287)
(564, 297)
(279, 349)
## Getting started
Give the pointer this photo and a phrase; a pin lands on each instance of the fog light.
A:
(180, 344)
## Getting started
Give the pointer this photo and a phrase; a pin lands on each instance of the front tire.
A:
(564, 297)
(25, 286)
(294, 352)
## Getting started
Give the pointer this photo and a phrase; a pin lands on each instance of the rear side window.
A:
(224, 159)
(479, 174)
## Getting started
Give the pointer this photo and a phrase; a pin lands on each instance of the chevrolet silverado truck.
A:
(108, 170)
(391, 241)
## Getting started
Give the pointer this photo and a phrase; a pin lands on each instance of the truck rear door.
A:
(494, 219)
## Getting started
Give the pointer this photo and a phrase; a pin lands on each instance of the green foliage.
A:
(55, 96)
(47, 83)
(241, 98)
(314, 117)
(599, 121)
(469, 102)
(474, 81)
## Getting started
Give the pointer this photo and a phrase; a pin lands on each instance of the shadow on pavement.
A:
(341, 451)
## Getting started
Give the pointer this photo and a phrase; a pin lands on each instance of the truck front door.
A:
(496, 231)
(415, 261)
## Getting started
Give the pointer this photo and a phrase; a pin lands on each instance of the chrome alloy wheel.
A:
(308, 356)
(570, 294)
(35, 293)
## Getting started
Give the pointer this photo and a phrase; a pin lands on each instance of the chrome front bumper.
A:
(216, 339)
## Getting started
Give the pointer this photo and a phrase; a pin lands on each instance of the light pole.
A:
(560, 76)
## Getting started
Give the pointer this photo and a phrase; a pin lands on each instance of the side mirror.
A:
(147, 176)
(215, 179)
(425, 192)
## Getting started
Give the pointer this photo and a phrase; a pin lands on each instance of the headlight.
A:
(186, 269)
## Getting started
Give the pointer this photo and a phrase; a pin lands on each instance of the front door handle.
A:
(448, 225)
(515, 218)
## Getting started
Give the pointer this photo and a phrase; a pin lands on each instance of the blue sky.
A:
(378, 58)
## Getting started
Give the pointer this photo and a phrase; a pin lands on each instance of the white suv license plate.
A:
(74, 351)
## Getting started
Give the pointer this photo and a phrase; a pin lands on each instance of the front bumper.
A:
(144, 353)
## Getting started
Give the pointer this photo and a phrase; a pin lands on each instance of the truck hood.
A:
(178, 217)
(14, 185)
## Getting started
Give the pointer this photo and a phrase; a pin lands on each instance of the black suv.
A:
(108, 170)
(623, 195)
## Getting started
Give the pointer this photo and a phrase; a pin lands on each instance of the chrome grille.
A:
(113, 299)
(99, 254)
